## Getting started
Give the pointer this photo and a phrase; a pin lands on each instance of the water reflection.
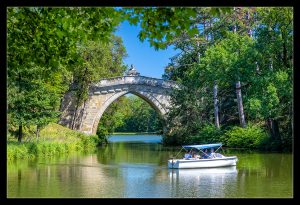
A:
(116, 153)
(139, 169)
(138, 180)
(204, 182)
(265, 175)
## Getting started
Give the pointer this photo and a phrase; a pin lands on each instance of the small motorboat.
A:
(198, 156)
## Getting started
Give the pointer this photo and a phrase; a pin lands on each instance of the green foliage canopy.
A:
(42, 56)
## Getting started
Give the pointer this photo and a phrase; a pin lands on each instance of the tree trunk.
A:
(204, 29)
(20, 125)
(20, 133)
(75, 114)
(274, 129)
(240, 104)
(80, 123)
(234, 26)
(284, 53)
(37, 132)
(292, 118)
(198, 48)
(210, 25)
(271, 64)
(249, 30)
(78, 100)
(199, 55)
(76, 110)
(216, 105)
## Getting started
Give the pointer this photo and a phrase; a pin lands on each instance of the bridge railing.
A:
(136, 80)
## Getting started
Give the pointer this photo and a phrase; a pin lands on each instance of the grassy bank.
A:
(54, 140)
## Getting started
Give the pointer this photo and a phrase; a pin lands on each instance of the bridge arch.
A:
(154, 91)
(151, 100)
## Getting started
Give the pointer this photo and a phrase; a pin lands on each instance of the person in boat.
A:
(187, 155)
(197, 156)
(205, 154)
(194, 155)
(212, 153)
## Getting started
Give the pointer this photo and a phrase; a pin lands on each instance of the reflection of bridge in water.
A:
(86, 118)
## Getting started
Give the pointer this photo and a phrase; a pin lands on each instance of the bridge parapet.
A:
(136, 80)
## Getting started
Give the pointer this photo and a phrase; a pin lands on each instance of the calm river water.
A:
(136, 167)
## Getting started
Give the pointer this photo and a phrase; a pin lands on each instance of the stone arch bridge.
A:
(154, 91)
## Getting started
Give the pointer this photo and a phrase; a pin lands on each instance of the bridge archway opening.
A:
(143, 115)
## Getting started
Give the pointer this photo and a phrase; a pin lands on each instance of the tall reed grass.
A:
(55, 140)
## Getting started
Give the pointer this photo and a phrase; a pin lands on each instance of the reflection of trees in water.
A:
(40, 180)
(265, 175)
(74, 177)
(131, 153)
(121, 165)
(267, 165)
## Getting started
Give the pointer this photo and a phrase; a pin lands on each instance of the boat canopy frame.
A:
(203, 146)
(200, 148)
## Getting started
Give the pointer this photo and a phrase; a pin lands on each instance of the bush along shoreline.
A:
(253, 137)
(55, 140)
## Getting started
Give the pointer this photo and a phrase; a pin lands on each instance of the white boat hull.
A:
(202, 163)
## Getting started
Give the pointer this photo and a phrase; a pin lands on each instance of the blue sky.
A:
(146, 60)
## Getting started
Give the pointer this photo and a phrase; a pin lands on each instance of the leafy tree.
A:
(274, 45)
(42, 45)
(99, 60)
(163, 26)
(259, 54)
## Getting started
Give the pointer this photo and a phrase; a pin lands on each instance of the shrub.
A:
(252, 136)
(209, 133)
(102, 134)
(33, 148)
(11, 151)
(89, 142)
(18, 151)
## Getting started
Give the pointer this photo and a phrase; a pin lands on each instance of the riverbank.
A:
(54, 140)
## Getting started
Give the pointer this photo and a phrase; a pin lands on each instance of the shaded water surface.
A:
(136, 167)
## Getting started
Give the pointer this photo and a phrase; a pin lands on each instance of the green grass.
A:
(54, 140)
